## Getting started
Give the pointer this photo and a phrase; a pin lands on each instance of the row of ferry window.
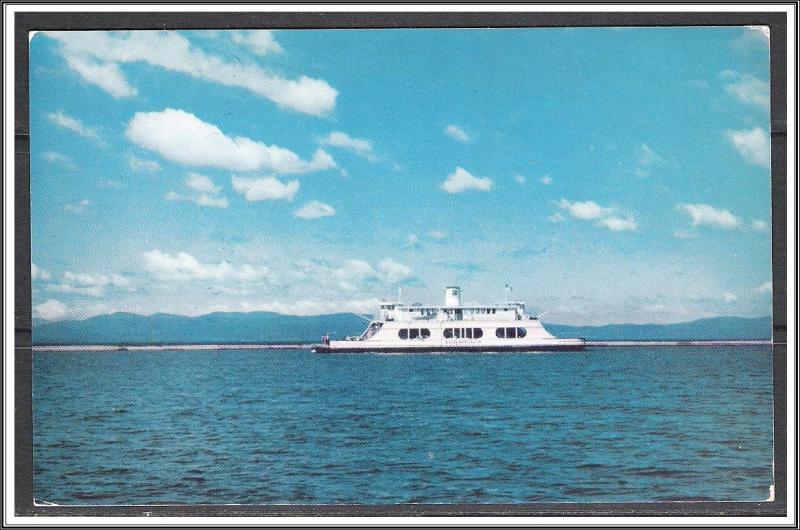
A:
(462, 333)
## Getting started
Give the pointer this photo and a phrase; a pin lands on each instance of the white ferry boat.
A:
(402, 328)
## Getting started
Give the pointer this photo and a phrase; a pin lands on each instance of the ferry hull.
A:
(321, 348)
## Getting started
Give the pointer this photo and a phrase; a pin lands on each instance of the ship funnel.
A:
(452, 297)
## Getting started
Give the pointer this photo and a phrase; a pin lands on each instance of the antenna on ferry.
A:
(507, 292)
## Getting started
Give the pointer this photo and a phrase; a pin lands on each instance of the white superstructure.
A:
(402, 327)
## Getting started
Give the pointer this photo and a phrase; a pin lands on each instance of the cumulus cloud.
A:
(392, 271)
(412, 240)
(201, 191)
(606, 217)
(619, 224)
(78, 207)
(264, 188)
(764, 288)
(752, 144)
(457, 133)
(760, 225)
(184, 138)
(50, 310)
(173, 52)
(354, 274)
(462, 180)
(546, 180)
(359, 146)
(586, 210)
(259, 41)
(747, 89)
(436, 234)
(647, 160)
(88, 284)
(314, 210)
(185, 267)
(39, 274)
(107, 76)
(73, 124)
(314, 307)
(520, 179)
(140, 164)
(729, 297)
(201, 183)
(704, 214)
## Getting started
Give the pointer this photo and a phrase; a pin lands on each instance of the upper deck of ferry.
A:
(452, 310)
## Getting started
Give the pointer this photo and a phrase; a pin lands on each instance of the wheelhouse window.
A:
(403, 334)
(448, 333)
(511, 333)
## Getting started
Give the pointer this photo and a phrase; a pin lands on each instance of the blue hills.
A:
(267, 327)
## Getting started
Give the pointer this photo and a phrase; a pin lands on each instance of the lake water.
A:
(273, 427)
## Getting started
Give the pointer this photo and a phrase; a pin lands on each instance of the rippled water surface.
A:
(262, 427)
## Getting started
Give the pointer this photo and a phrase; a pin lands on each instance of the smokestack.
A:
(452, 297)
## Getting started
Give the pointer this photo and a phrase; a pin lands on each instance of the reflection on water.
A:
(254, 427)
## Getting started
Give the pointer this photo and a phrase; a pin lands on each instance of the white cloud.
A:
(764, 288)
(412, 240)
(437, 234)
(185, 267)
(704, 214)
(315, 210)
(587, 210)
(259, 41)
(729, 297)
(606, 217)
(172, 51)
(555, 218)
(752, 144)
(457, 133)
(520, 179)
(619, 224)
(39, 274)
(78, 207)
(202, 191)
(73, 124)
(359, 146)
(546, 180)
(392, 271)
(314, 307)
(50, 310)
(107, 76)
(647, 160)
(747, 89)
(184, 138)
(353, 274)
(462, 180)
(760, 225)
(87, 290)
(139, 164)
(87, 284)
(201, 183)
(56, 157)
(264, 188)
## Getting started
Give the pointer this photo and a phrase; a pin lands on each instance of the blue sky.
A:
(608, 175)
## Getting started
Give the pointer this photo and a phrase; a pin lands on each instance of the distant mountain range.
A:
(266, 327)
